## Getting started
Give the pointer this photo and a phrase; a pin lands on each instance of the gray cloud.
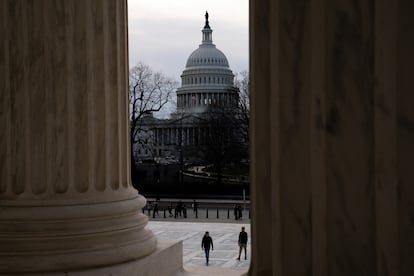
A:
(166, 44)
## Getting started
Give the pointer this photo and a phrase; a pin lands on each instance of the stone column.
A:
(332, 137)
(66, 200)
(176, 136)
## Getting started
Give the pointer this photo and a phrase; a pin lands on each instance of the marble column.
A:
(332, 137)
(66, 200)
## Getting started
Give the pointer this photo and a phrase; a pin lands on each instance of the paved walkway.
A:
(224, 235)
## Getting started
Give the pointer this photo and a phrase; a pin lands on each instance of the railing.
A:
(196, 210)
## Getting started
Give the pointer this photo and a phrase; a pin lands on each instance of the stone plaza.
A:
(224, 235)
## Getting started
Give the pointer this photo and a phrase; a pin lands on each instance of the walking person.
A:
(194, 206)
(242, 243)
(179, 208)
(239, 212)
(155, 211)
(184, 211)
(170, 211)
(235, 212)
(206, 243)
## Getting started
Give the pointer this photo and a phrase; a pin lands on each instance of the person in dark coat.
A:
(239, 212)
(206, 243)
(235, 212)
(242, 243)
(194, 206)
(179, 208)
(155, 211)
(184, 211)
(170, 211)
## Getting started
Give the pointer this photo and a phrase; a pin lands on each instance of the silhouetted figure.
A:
(155, 211)
(242, 243)
(239, 212)
(195, 206)
(236, 213)
(179, 208)
(206, 243)
(184, 211)
(170, 211)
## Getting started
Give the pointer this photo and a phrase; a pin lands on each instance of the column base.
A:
(167, 259)
(41, 237)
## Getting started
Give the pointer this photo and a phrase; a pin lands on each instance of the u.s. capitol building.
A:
(207, 83)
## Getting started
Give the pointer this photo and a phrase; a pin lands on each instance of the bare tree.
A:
(242, 82)
(228, 129)
(221, 143)
(149, 92)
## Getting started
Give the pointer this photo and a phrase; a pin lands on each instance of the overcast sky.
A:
(163, 33)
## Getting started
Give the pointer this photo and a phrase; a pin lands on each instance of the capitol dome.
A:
(207, 55)
(207, 79)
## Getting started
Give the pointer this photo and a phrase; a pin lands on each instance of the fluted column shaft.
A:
(64, 149)
(332, 137)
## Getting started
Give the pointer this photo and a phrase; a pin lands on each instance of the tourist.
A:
(194, 206)
(242, 243)
(184, 211)
(155, 211)
(235, 212)
(239, 212)
(205, 245)
(170, 210)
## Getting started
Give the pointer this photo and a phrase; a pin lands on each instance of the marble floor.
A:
(224, 235)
